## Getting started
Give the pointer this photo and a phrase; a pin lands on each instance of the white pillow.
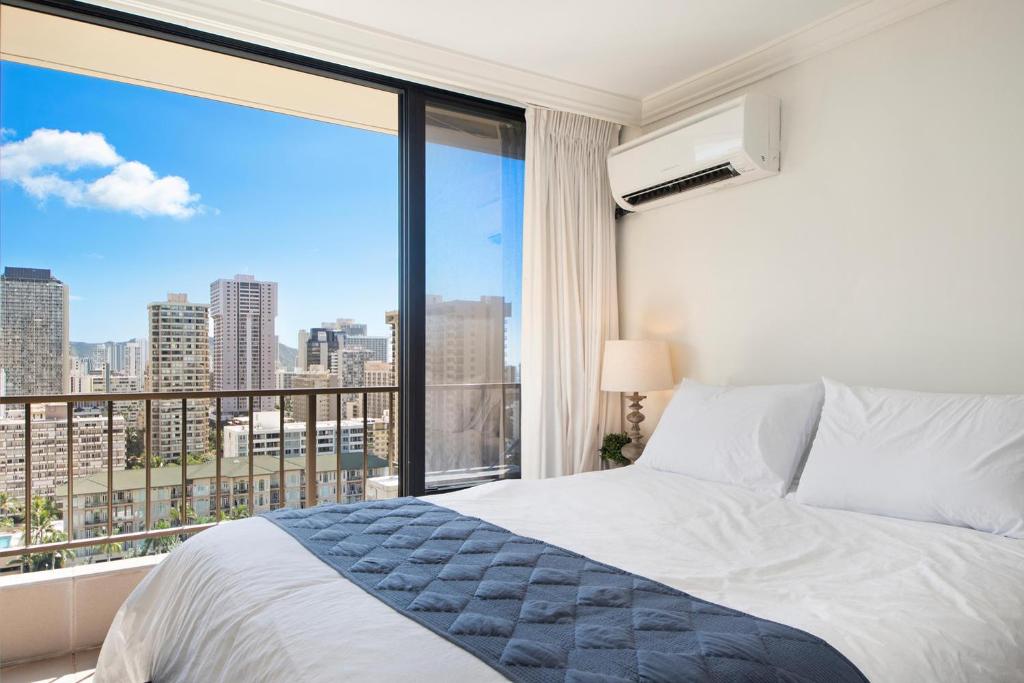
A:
(752, 436)
(950, 458)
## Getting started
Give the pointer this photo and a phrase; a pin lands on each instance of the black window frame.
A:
(413, 99)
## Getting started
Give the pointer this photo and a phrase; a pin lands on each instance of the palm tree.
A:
(43, 516)
(238, 512)
(190, 516)
(9, 509)
(111, 548)
(160, 544)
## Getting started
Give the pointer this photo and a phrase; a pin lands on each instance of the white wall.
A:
(51, 613)
(889, 251)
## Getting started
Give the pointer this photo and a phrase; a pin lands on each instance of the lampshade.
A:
(635, 365)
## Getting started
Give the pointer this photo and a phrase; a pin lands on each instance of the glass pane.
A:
(474, 198)
(156, 240)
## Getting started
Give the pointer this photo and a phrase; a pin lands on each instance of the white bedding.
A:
(905, 601)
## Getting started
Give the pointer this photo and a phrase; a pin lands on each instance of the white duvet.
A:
(904, 601)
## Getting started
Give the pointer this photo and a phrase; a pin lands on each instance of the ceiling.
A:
(632, 49)
(631, 62)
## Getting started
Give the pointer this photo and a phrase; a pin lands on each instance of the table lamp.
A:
(635, 366)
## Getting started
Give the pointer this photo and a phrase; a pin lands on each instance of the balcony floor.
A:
(75, 668)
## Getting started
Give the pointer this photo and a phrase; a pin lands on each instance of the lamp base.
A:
(631, 451)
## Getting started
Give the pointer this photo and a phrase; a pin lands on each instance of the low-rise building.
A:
(129, 502)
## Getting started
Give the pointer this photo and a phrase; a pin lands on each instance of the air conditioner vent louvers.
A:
(691, 181)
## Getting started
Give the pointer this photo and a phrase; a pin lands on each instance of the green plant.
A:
(10, 511)
(611, 448)
(44, 514)
(160, 544)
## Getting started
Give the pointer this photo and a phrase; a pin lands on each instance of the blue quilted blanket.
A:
(541, 614)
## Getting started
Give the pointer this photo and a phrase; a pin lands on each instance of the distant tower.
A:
(135, 358)
(34, 347)
(179, 352)
(244, 344)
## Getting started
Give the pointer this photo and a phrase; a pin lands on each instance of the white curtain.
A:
(570, 304)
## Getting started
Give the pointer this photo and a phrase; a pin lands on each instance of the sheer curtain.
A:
(570, 304)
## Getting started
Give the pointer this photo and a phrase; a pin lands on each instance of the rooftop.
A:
(29, 274)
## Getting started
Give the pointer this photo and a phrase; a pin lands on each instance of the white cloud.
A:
(42, 162)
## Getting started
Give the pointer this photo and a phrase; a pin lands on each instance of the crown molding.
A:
(282, 27)
(821, 36)
(273, 24)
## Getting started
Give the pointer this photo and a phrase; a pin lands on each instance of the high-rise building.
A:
(326, 404)
(347, 326)
(114, 355)
(320, 344)
(103, 381)
(347, 365)
(350, 366)
(301, 362)
(376, 346)
(179, 352)
(464, 372)
(244, 344)
(392, 318)
(34, 337)
(378, 374)
(135, 358)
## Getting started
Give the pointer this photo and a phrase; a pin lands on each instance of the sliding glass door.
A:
(473, 255)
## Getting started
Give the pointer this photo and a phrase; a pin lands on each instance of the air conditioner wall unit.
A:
(729, 144)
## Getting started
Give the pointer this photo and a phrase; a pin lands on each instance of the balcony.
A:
(63, 588)
(95, 556)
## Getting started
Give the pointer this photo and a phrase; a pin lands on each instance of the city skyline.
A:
(286, 199)
(230, 189)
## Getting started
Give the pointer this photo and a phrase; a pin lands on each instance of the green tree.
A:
(113, 548)
(10, 510)
(239, 512)
(44, 516)
(134, 445)
(190, 516)
(160, 544)
(198, 458)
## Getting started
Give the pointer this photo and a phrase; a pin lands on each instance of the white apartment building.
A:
(103, 381)
(244, 350)
(135, 358)
(50, 448)
(267, 431)
(179, 349)
(377, 346)
(35, 352)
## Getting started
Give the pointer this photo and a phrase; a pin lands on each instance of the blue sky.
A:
(310, 205)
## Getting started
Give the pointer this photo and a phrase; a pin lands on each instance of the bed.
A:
(902, 600)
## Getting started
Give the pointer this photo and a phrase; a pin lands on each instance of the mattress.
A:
(903, 600)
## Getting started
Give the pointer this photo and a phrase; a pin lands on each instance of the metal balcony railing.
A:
(218, 494)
